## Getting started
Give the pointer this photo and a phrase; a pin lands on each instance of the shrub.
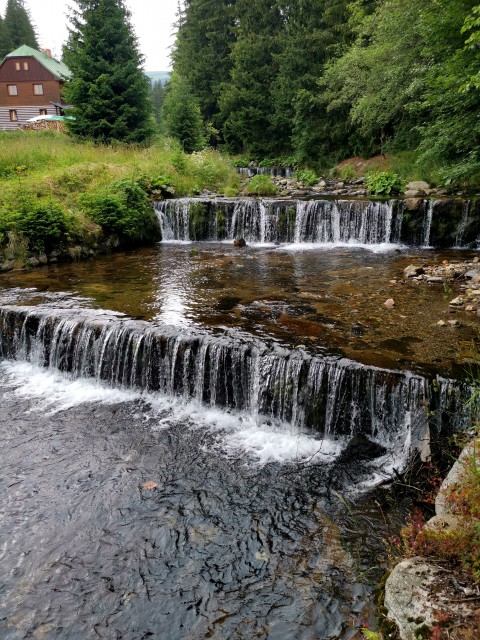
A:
(307, 176)
(123, 210)
(260, 186)
(45, 225)
(384, 183)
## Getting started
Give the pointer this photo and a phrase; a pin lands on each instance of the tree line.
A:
(316, 81)
(16, 28)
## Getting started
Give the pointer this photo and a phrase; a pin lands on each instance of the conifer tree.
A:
(157, 96)
(181, 115)
(246, 101)
(202, 51)
(17, 28)
(108, 90)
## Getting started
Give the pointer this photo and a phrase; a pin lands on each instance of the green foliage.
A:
(108, 89)
(123, 210)
(45, 224)
(307, 176)
(157, 97)
(16, 28)
(182, 118)
(260, 186)
(384, 183)
(201, 54)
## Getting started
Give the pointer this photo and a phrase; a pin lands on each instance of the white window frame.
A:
(12, 90)
(38, 89)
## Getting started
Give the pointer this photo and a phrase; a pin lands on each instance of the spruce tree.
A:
(181, 115)
(246, 101)
(157, 96)
(108, 90)
(17, 28)
(202, 51)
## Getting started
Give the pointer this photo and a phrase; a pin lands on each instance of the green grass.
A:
(56, 177)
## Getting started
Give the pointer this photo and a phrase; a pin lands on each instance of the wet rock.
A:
(239, 242)
(456, 302)
(361, 448)
(412, 270)
(33, 261)
(413, 204)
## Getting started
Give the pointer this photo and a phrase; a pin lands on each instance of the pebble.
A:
(390, 303)
(441, 323)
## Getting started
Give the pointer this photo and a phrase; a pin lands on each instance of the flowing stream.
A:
(196, 437)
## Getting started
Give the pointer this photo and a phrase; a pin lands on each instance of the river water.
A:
(130, 512)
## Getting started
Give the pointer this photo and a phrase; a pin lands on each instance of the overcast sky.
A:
(152, 21)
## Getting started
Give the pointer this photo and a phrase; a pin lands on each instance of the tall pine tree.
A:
(16, 28)
(202, 51)
(108, 90)
(246, 101)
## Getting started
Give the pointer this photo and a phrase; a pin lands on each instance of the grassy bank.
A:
(57, 194)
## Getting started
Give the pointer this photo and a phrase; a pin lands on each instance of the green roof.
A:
(58, 69)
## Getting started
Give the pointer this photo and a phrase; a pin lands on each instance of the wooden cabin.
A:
(31, 85)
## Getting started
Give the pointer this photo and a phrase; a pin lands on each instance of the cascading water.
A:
(281, 221)
(331, 397)
(463, 224)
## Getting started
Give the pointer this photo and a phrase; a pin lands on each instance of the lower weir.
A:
(324, 395)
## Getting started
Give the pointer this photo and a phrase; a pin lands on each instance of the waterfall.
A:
(326, 395)
(463, 224)
(282, 221)
(427, 225)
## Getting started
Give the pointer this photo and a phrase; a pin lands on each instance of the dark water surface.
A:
(222, 548)
(329, 300)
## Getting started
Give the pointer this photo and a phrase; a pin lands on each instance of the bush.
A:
(45, 225)
(260, 186)
(384, 183)
(123, 210)
(307, 176)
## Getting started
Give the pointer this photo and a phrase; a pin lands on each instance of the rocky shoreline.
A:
(464, 273)
(422, 597)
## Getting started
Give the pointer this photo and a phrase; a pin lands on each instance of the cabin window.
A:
(13, 115)
(25, 66)
(12, 90)
(17, 66)
(38, 89)
(43, 112)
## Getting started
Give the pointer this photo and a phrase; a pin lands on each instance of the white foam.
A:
(384, 247)
(233, 433)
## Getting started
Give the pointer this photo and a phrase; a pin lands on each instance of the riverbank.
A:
(435, 591)
(62, 200)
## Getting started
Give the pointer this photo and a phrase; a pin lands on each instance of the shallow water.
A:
(328, 300)
(254, 529)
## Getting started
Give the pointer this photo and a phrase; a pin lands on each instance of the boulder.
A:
(419, 185)
(408, 597)
(361, 448)
(413, 204)
(239, 242)
(412, 270)
(412, 194)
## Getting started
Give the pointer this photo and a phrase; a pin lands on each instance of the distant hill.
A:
(163, 76)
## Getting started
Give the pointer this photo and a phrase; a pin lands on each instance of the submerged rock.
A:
(361, 448)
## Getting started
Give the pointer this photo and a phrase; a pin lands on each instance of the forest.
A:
(315, 81)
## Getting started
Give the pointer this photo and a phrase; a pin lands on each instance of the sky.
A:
(152, 22)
